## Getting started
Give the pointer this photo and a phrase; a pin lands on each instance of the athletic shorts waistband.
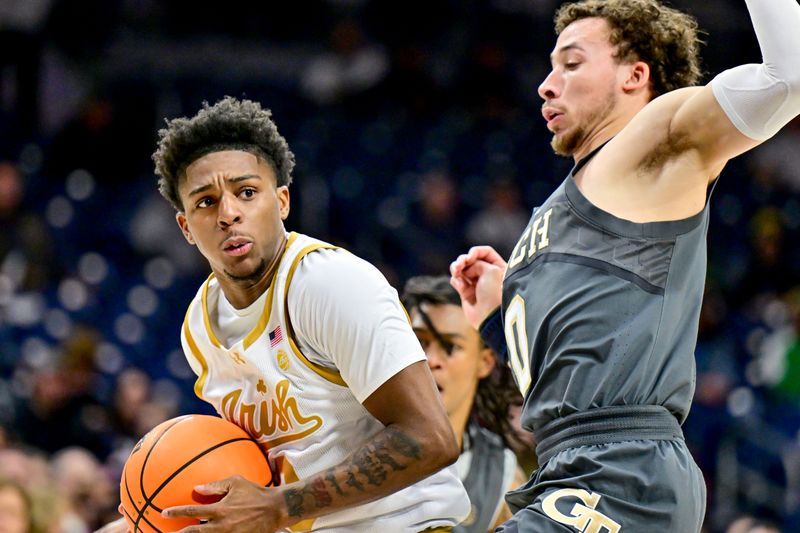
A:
(605, 425)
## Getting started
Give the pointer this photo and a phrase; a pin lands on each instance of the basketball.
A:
(177, 455)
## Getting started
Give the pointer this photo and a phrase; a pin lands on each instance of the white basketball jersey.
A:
(303, 414)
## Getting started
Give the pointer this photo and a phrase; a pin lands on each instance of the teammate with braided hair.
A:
(477, 393)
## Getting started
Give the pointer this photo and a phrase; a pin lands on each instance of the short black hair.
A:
(230, 124)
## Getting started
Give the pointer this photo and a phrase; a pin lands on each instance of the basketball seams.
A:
(141, 479)
(184, 466)
(182, 479)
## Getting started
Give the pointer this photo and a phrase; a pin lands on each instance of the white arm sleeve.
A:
(760, 99)
(345, 314)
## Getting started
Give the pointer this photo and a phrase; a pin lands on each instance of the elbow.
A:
(791, 77)
(444, 447)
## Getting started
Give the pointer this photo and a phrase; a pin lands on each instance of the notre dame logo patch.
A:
(582, 516)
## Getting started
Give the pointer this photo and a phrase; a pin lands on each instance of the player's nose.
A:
(548, 89)
(228, 212)
(434, 356)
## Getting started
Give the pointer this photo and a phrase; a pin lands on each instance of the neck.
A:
(458, 420)
(608, 129)
(243, 293)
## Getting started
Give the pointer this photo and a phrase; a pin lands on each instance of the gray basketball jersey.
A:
(485, 481)
(600, 311)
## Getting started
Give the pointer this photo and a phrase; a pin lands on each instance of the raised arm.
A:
(746, 105)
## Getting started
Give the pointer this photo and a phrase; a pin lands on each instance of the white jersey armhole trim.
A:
(330, 374)
(200, 383)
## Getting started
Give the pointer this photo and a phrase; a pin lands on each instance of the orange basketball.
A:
(176, 456)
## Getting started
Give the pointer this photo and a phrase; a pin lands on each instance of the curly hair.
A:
(230, 124)
(497, 392)
(646, 30)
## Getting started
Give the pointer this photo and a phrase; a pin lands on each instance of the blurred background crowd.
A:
(417, 132)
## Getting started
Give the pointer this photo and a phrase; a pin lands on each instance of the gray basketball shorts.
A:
(631, 486)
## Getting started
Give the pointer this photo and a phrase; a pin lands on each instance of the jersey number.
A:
(517, 342)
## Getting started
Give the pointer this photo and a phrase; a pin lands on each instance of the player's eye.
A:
(205, 202)
(247, 192)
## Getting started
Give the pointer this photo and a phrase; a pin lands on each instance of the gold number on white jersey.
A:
(517, 342)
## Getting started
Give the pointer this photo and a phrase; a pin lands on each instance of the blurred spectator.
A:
(135, 411)
(501, 221)
(748, 524)
(426, 235)
(119, 115)
(779, 357)
(30, 470)
(153, 232)
(777, 163)
(130, 396)
(770, 270)
(16, 508)
(27, 254)
(352, 66)
(716, 356)
(21, 23)
(62, 410)
(89, 494)
(27, 467)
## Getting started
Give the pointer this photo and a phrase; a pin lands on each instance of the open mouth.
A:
(237, 246)
(551, 115)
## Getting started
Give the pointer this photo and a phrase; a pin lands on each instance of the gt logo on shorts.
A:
(583, 516)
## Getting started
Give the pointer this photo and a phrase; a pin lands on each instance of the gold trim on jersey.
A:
(201, 379)
(288, 475)
(263, 320)
(206, 319)
(328, 373)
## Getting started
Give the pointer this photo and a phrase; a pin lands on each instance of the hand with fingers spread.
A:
(478, 278)
(245, 507)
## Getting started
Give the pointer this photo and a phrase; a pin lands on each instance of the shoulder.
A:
(652, 127)
(207, 290)
(335, 270)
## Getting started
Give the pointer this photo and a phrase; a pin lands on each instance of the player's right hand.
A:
(478, 278)
(117, 526)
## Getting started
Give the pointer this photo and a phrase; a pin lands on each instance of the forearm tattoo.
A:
(372, 464)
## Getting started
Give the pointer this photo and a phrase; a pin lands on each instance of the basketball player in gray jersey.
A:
(602, 293)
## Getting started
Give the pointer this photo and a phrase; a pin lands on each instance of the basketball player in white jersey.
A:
(303, 345)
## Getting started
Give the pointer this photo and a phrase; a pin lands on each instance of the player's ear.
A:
(638, 76)
(180, 217)
(486, 362)
(284, 201)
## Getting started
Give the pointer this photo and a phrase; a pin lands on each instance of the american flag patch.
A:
(275, 337)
